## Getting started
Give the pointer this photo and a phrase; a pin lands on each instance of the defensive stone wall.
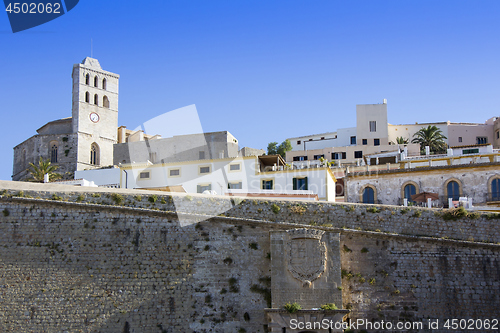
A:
(126, 263)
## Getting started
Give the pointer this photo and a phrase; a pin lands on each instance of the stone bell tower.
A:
(94, 113)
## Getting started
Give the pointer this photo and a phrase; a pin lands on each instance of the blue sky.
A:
(263, 70)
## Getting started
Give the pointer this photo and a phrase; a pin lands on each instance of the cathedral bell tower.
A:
(94, 113)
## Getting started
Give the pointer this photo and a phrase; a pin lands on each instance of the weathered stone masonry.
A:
(80, 267)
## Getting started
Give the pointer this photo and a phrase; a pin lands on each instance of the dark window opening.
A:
(365, 142)
(376, 142)
(358, 154)
(353, 140)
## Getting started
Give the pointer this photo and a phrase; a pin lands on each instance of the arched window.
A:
(53, 152)
(87, 97)
(96, 81)
(96, 99)
(495, 189)
(409, 190)
(94, 154)
(453, 190)
(87, 79)
(105, 102)
(368, 195)
(104, 84)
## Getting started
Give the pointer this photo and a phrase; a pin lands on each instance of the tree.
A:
(430, 136)
(38, 171)
(284, 147)
(274, 149)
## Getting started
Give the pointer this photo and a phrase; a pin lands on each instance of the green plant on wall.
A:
(292, 307)
(329, 306)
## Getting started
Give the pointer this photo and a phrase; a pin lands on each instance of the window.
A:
(470, 151)
(339, 156)
(144, 175)
(267, 184)
(205, 169)
(53, 153)
(201, 155)
(453, 190)
(459, 139)
(322, 138)
(105, 102)
(498, 134)
(203, 187)
(87, 97)
(365, 142)
(495, 189)
(409, 190)
(235, 167)
(317, 157)
(376, 142)
(96, 99)
(234, 186)
(481, 140)
(373, 126)
(358, 154)
(94, 154)
(300, 183)
(87, 79)
(298, 142)
(104, 84)
(353, 140)
(174, 172)
(368, 195)
(300, 158)
(96, 81)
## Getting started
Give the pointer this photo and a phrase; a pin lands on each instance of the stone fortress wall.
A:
(111, 261)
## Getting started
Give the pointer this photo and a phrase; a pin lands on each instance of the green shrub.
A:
(233, 285)
(80, 198)
(329, 306)
(417, 213)
(373, 210)
(228, 261)
(364, 250)
(138, 198)
(153, 198)
(6, 212)
(253, 246)
(96, 195)
(292, 307)
(346, 249)
(56, 197)
(454, 213)
(117, 198)
(405, 210)
(275, 208)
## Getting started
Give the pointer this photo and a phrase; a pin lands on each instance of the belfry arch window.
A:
(53, 152)
(94, 154)
(105, 102)
(87, 79)
(409, 190)
(96, 99)
(87, 97)
(96, 81)
(104, 84)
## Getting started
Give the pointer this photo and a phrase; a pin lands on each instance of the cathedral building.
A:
(85, 140)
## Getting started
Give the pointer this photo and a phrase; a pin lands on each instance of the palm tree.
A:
(402, 141)
(430, 136)
(38, 171)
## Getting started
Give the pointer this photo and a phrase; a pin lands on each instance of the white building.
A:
(374, 135)
(266, 176)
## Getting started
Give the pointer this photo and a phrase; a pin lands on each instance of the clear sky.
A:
(263, 70)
